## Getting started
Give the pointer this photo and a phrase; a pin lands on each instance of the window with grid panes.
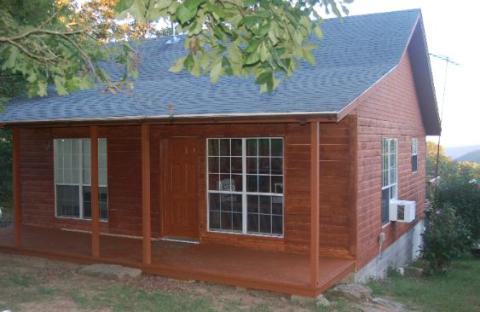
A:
(245, 185)
(389, 176)
(72, 178)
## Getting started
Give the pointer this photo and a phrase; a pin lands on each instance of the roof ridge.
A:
(413, 10)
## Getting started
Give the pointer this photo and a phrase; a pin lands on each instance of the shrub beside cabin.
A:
(289, 191)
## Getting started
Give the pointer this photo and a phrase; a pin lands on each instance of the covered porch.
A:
(307, 266)
(244, 267)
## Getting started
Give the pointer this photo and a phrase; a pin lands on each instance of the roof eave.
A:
(422, 74)
(187, 118)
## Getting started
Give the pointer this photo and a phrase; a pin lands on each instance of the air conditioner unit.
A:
(402, 210)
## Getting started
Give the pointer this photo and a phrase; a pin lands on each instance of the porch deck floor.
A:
(270, 270)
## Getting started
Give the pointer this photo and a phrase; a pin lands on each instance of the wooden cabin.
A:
(289, 192)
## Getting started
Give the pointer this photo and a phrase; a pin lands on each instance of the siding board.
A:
(391, 109)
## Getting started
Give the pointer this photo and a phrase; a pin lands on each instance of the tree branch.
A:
(29, 54)
(41, 31)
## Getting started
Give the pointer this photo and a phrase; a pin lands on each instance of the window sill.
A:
(80, 219)
(247, 235)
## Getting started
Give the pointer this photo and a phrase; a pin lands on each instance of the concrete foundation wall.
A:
(402, 252)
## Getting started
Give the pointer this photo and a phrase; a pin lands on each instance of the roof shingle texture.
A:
(352, 56)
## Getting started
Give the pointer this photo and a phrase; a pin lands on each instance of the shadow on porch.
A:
(267, 270)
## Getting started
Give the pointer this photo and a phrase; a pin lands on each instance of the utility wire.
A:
(447, 61)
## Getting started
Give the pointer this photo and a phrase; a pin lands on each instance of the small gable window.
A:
(414, 154)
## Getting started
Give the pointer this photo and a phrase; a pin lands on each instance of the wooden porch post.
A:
(17, 185)
(94, 191)
(146, 218)
(314, 202)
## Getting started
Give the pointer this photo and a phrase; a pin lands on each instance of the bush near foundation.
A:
(464, 194)
(453, 221)
(446, 238)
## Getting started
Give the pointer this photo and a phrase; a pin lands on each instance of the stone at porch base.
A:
(110, 271)
(318, 301)
(351, 292)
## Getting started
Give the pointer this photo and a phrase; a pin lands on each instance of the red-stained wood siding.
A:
(124, 181)
(36, 176)
(389, 110)
(296, 187)
(337, 155)
(124, 190)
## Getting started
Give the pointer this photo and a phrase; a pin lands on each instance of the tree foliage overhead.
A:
(49, 42)
(64, 42)
(261, 38)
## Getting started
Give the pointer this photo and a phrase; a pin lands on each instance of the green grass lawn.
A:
(458, 290)
(35, 284)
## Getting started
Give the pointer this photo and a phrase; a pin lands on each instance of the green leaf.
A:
(184, 14)
(85, 83)
(195, 28)
(123, 5)
(187, 10)
(308, 55)
(163, 4)
(235, 54)
(32, 77)
(272, 35)
(264, 53)
(263, 30)
(178, 67)
(252, 58)
(193, 4)
(189, 62)
(12, 57)
(251, 21)
(217, 11)
(318, 32)
(216, 72)
(253, 45)
(42, 88)
(264, 77)
(60, 85)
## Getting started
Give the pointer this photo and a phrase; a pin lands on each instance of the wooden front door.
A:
(179, 160)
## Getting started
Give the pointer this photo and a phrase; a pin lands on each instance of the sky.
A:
(453, 30)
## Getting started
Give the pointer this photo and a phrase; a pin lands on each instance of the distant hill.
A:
(459, 151)
(473, 156)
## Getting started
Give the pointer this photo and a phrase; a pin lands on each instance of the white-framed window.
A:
(414, 154)
(72, 178)
(389, 175)
(245, 185)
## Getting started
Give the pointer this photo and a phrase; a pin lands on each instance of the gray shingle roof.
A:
(352, 56)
